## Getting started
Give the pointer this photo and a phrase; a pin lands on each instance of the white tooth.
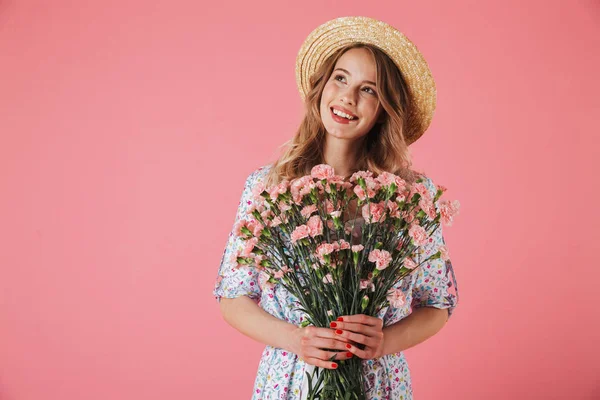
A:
(342, 114)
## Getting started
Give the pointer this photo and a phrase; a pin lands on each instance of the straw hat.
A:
(339, 32)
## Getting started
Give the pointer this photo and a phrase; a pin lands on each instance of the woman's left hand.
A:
(361, 329)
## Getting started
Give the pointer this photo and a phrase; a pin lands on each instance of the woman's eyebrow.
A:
(342, 69)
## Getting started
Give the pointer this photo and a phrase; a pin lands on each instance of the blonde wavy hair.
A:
(384, 146)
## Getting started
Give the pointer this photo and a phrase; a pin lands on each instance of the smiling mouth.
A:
(340, 118)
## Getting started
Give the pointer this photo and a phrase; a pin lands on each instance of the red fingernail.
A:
(334, 365)
(333, 325)
(338, 332)
(348, 354)
(340, 319)
(348, 346)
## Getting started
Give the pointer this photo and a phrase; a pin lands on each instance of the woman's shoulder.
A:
(258, 175)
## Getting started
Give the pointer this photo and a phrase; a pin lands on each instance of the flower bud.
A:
(364, 303)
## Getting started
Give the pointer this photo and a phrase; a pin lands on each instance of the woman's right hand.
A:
(316, 346)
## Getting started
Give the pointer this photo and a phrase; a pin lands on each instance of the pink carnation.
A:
(239, 225)
(426, 204)
(400, 197)
(308, 210)
(324, 249)
(367, 283)
(286, 269)
(249, 246)
(394, 209)
(258, 228)
(448, 210)
(322, 171)
(278, 189)
(315, 225)
(320, 187)
(344, 244)
(256, 207)
(421, 189)
(251, 209)
(258, 259)
(360, 193)
(300, 187)
(374, 212)
(257, 189)
(402, 185)
(336, 182)
(252, 224)
(233, 259)
(408, 217)
(372, 185)
(328, 279)
(396, 298)
(386, 179)
(266, 214)
(329, 208)
(418, 234)
(358, 247)
(276, 221)
(263, 281)
(361, 174)
(278, 274)
(381, 258)
(445, 254)
(300, 232)
(409, 263)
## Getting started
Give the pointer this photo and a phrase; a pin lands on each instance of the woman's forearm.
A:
(247, 317)
(419, 326)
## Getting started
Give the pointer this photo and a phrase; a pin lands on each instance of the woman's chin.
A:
(342, 134)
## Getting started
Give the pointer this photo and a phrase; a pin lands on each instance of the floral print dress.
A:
(280, 373)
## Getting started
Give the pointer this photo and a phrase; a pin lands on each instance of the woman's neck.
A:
(341, 154)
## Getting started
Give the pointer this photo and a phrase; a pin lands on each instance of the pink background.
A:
(128, 127)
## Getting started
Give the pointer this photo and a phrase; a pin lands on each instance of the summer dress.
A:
(280, 373)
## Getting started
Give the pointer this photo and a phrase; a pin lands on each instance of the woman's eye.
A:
(370, 91)
(341, 78)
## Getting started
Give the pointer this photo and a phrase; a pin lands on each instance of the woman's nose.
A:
(349, 97)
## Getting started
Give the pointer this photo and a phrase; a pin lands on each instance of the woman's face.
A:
(351, 89)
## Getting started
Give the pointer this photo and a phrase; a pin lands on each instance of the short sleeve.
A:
(233, 281)
(434, 282)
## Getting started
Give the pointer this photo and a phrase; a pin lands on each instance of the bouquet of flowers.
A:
(302, 236)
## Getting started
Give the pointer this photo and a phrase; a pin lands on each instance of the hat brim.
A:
(326, 39)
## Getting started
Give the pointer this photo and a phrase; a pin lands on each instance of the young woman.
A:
(369, 95)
